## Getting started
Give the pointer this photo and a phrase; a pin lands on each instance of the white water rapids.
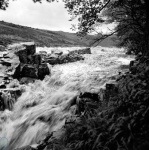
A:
(44, 105)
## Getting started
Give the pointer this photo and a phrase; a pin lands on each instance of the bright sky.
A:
(52, 16)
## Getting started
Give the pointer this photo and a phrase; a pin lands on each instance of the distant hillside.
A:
(12, 33)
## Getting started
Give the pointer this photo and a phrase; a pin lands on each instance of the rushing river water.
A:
(44, 105)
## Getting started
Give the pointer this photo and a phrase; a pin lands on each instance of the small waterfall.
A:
(45, 105)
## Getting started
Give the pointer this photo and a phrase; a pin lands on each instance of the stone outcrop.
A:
(81, 51)
(57, 52)
(58, 57)
(54, 59)
(30, 63)
(43, 70)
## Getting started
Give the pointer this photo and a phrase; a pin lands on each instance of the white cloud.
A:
(52, 16)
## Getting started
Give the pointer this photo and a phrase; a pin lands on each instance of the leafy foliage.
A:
(121, 124)
(130, 16)
(3, 4)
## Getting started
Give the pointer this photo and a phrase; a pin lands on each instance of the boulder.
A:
(64, 58)
(8, 97)
(5, 62)
(42, 52)
(34, 59)
(22, 54)
(17, 73)
(43, 55)
(29, 71)
(43, 70)
(52, 59)
(26, 80)
(2, 48)
(84, 51)
(133, 67)
(57, 52)
(2, 85)
(37, 59)
(73, 52)
(131, 63)
(93, 96)
(30, 48)
(81, 51)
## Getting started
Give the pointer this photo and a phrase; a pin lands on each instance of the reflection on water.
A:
(45, 105)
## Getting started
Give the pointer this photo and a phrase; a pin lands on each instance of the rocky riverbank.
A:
(115, 118)
(22, 63)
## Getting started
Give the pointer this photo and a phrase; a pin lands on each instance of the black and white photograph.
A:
(74, 74)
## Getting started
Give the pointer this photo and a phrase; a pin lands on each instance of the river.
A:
(45, 105)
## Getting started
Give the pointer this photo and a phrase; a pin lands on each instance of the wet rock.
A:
(57, 52)
(43, 70)
(42, 52)
(86, 102)
(2, 48)
(108, 92)
(133, 67)
(29, 71)
(37, 59)
(5, 63)
(34, 59)
(93, 96)
(84, 51)
(70, 58)
(17, 73)
(64, 58)
(43, 55)
(81, 51)
(2, 85)
(26, 80)
(30, 63)
(30, 48)
(58, 57)
(8, 97)
(52, 59)
(22, 54)
(112, 88)
(131, 63)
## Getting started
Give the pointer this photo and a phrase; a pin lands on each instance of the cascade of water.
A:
(45, 105)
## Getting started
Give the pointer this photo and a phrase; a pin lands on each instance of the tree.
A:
(132, 17)
(3, 4)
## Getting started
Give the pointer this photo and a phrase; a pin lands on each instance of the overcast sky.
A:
(52, 16)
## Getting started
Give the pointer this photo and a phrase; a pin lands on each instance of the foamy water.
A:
(45, 105)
